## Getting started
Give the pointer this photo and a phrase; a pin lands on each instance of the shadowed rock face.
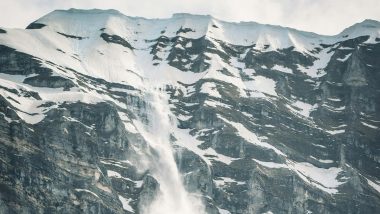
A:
(14, 63)
(47, 165)
(49, 81)
(355, 73)
(35, 25)
(257, 130)
(115, 39)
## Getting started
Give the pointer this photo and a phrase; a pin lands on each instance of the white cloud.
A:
(320, 16)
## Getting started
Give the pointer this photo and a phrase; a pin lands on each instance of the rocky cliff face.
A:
(105, 113)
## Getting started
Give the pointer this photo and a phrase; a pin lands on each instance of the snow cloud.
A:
(320, 16)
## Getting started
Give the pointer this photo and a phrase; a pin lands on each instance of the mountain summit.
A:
(106, 113)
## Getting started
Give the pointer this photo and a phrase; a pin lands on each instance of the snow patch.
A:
(221, 181)
(302, 108)
(374, 185)
(282, 69)
(334, 132)
(270, 164)
(210, 88)
(125, 203)
(88, 191)
(344, 58)
(369, 125)
(250, 136)
(312, 174)
(317, 69)
(262, 85)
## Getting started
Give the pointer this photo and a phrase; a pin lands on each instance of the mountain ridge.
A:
(182, 15)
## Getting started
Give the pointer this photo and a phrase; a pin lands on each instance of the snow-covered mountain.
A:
(106, 113)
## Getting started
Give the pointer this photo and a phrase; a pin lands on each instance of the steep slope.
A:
(105, 113)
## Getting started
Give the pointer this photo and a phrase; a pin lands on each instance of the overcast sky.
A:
(320, 16)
